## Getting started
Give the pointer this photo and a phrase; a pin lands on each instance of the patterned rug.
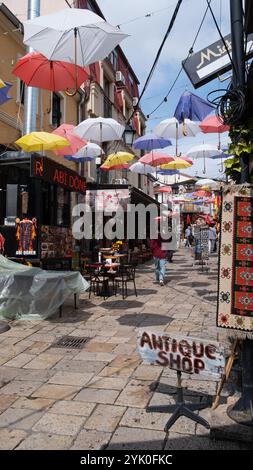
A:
(235, 291)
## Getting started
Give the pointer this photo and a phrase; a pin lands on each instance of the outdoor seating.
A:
(125, 276)
(98, 279)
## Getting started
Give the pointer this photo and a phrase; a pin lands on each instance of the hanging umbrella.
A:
(39, 141)
(155, 159)
(172, 129)
(202, 193)
(4, 93)
(100, 129)
(123, 166)
(150, 142)
(176, 164)
(141, 169)
(207, 183)
(186, 159)
(37, 71)
(74, 142)
(165, 189)
(168, 172)
(86, 153)
(203, 151)
(118, 158)
(72, 35)
(191, 106)
(213, 125)
(2, 84)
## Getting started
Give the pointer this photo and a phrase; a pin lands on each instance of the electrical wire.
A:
(147, 15)
(165, 99)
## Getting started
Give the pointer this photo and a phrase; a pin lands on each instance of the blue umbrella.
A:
(150, 142)
(4, 93)
(78, 158)
(191, 106)
(168, 172)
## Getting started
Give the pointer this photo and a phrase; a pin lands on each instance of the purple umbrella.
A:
(4, 93)
(150, 142)
(191, 106)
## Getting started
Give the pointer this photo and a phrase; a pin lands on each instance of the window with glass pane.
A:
(56, 110)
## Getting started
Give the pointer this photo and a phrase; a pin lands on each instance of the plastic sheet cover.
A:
(32, 293)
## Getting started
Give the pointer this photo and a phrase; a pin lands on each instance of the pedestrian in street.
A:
(188, 236)
(212, 238)
(160, 257)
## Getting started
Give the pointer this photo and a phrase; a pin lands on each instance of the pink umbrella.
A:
(66, 131)
(165, 189)
(156, 159)
(213, 125)
(187, 159)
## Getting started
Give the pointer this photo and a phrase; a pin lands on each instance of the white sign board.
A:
(182, 353)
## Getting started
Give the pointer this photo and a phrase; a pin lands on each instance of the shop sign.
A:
(212, 61)
(48, 170)
(185, 354)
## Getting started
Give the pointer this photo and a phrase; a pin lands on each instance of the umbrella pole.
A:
(69, 93)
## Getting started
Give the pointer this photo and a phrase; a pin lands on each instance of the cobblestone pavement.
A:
(95, 398)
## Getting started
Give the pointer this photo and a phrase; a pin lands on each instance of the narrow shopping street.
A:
(95, 397)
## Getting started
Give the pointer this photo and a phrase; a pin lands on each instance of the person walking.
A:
(160, 257)
(188, 236)
(212, 238)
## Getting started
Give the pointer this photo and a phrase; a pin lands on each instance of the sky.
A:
(141, 46)
(145, 37)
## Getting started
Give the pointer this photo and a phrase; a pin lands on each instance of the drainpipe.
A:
(31, 93)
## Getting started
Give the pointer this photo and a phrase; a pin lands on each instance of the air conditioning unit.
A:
(135, 101)
(120, 79)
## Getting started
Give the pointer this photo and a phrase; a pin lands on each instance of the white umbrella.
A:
(72, 35)
(171, 129)
(203, 151)
(206, 182)
(141, 168)
(90, 150)
(99, 129)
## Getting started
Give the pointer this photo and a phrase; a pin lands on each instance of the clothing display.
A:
(235, 291)
(2, 240)
(26, 234)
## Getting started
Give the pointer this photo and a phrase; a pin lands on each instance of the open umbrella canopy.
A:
(202, 193)
(165, 189)
(213, 125)
(4, 93)
(37, 71)
(123, 166)
(172, 129)
(191, 106)
(100, 129)
(2, 84)
(187, 159)
(155, 158)
(168, 172)
(141, 168)
(74, 142)
(86, 153)
(118, 158)
(39, 141)
(72, 35)
(150, 142)
(203, 151)
(176, 164)
(206, 182)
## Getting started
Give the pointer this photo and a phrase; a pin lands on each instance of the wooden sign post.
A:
(183, 354)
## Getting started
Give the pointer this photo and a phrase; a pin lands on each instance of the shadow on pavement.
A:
(144, 319)
(121, 304)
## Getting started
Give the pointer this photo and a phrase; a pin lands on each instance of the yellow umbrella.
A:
(177, 164)
(2, 84)
(118, 158)
(39, 141)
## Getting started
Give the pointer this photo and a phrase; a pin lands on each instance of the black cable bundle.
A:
(230, 107)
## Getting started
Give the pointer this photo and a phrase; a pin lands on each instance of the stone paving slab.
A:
(126, 438)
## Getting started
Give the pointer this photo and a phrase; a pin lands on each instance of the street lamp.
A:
(128, 135)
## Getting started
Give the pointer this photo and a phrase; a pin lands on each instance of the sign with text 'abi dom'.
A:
(212, 61)
(185, 354)
(50, 171)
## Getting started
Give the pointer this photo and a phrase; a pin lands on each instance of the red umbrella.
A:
(75, 143)
(156, 159)
(165, 189)
(124, 166)
(212, 124)
(202, 193)
(36, 70)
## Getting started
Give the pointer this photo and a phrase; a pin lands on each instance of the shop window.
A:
(56, 109)
(107, 102)
(131, 81)
(113, 57)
